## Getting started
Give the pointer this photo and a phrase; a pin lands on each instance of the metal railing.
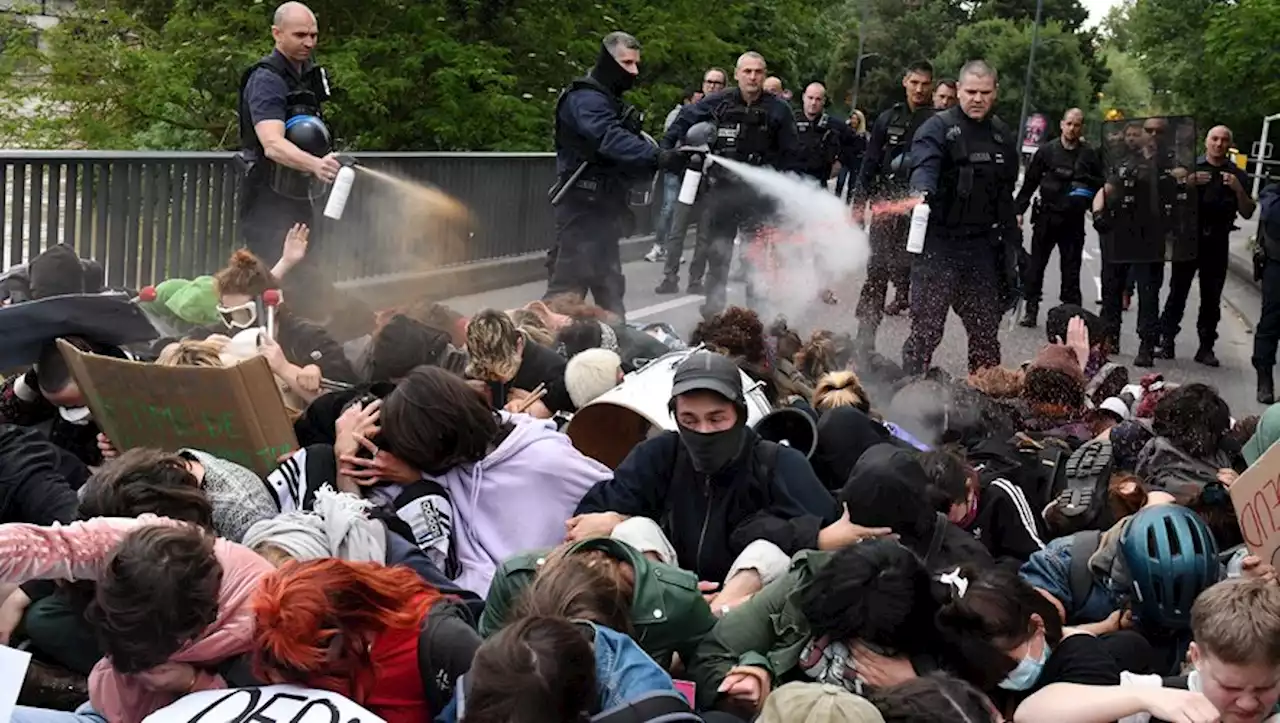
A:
(148, 216)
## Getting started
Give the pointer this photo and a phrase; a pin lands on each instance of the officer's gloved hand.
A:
(672, 160)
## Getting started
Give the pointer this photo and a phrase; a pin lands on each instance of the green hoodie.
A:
(194, 301)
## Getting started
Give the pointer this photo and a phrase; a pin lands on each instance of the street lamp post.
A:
(862, 41)
(1026, 86)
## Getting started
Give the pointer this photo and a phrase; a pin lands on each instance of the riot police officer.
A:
(1067, 172)
(283, 138)
(601, 153)
(753, 127)
(886, 169)
(821, 137)
(965, 165)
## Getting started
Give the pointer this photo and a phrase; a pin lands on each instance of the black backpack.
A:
(1036, 467)
(438, 683)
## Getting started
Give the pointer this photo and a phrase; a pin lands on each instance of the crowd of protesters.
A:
(1050, 542)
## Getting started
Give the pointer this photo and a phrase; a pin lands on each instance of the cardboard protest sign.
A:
(235, 413)
(1256, 497)
(282, 703)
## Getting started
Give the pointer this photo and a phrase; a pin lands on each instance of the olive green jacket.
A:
(668, 613)
(768, 631)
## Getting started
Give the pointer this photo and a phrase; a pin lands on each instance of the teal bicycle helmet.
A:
(1172, 557)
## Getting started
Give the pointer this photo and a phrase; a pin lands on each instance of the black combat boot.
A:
(1146, 355)
(1266, 387)
(1206, 357)
(1167, 348)
(1032, 317)
(669, 285)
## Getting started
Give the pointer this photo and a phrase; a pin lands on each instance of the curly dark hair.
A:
(1194, 418)
(435, 422)
(736, 332)
(158, 592)
(876, 591)
(788, 341)
(146, 480)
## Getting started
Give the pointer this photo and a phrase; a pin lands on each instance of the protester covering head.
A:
(191, 353)
(591, 373)
(435, 422)
(337, 526)
(841, 389)
(935, 697)
(539, 669)
(587, 585)
(495, 345)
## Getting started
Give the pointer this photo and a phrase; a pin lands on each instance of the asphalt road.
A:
(1234, 379)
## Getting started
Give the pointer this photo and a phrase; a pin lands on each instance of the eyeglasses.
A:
(713, 82)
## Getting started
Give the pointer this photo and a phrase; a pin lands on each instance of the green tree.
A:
(1128, 89)
(1059, 82)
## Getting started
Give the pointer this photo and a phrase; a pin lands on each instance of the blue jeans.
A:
(670, 191)
(84, 714)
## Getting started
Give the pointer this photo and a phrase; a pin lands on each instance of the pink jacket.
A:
(81, 550)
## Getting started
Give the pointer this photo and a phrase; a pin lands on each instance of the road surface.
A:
(1234, 379)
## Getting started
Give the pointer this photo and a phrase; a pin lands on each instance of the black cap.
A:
(704, 370)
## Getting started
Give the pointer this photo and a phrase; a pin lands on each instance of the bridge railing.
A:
(148, 216)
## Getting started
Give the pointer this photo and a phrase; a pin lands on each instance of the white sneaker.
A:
(656, 254)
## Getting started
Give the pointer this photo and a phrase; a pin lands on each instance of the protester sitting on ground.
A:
(997, 513)
(824, 353)
(170, 607)
(608, 582)
(502, 356)
(533, 327)
(38, 479)
(812, 702)
(590, 374)
(935, 697)
(758, 490)
(566, 670)
(738, 333)
(840, 389)
(860, 618)
(512, 480)
(844, 434)
(377, 635)
(1235, 666)
(1054, 393)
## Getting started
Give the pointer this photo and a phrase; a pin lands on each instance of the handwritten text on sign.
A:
(270, 704)
(1256, 498)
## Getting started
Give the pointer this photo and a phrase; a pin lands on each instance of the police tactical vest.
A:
(583, 148)
(979, 171)
(895, 162)
(818, 144)
(742, 131)
(307, 92)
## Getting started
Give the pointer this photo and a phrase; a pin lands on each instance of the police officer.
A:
(821, 137)
(944, 94)
(283, 139)
(886, 168)
(965, 165)
(1067, 171)
(600, 154)
(753, 127)
(1267, 270)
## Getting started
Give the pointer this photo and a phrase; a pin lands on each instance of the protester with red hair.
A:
(377, 635)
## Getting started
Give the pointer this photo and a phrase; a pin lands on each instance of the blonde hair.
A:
(840, 389)
(1238, 622)
(191, 353)
(493, 343)
(533, 326)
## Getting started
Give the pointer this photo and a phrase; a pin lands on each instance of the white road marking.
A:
(668, 305)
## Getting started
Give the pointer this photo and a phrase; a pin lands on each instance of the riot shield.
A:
(1151, 195)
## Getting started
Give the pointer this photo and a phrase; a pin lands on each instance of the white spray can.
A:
(340, 192)
(919, 224)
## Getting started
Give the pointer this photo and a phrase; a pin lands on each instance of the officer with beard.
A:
(753, 127)
(886, 168)
(965, 167)
(600, 154)
(1067, 172)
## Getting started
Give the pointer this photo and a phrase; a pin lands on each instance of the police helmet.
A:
(700, 134)
(308, 133)
(1172, 557)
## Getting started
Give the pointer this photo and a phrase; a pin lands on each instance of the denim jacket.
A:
(624, 672)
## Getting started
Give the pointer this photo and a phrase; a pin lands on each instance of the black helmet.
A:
(309, 133)
(1172, 557)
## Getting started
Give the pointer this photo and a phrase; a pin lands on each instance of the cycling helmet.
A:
(1172, 557)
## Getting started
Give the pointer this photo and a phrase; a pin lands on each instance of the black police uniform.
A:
(761, 133)
(1218, 206)
(1267, 270)
(594, 126)
(1058, 217)
(885, 172)
(273, 199)
(819, 143)
(967, 170)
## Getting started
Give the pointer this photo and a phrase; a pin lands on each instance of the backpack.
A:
(1037, 468)
(1079, 576)
(437, 685)
(659, 706)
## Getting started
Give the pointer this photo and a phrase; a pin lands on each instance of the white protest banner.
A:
(13, 670)
(269, 704)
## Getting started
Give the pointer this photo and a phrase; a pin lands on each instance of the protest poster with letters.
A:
(1256, 497)
(269, 704)
(235, 413)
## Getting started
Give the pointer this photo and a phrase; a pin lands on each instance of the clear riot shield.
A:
(1151, 195)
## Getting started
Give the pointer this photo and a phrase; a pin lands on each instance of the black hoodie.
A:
(37, 478)
(844, 434)
(887, 489)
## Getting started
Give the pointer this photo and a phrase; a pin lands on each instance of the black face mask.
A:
(711, 452)
(610, 74)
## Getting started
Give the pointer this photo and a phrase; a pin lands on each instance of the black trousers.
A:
(733, 209)
(890, 262)
(1267, 336)
(1149, 277)
(1211, 264)
(1066, 233)
(967, 283)
(586, 258)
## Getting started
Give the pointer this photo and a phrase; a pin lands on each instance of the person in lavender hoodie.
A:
(512, 480)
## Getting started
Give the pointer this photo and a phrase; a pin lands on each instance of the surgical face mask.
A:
(711, 452)
(79, 416)
(1028, 671)
(239, 317)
